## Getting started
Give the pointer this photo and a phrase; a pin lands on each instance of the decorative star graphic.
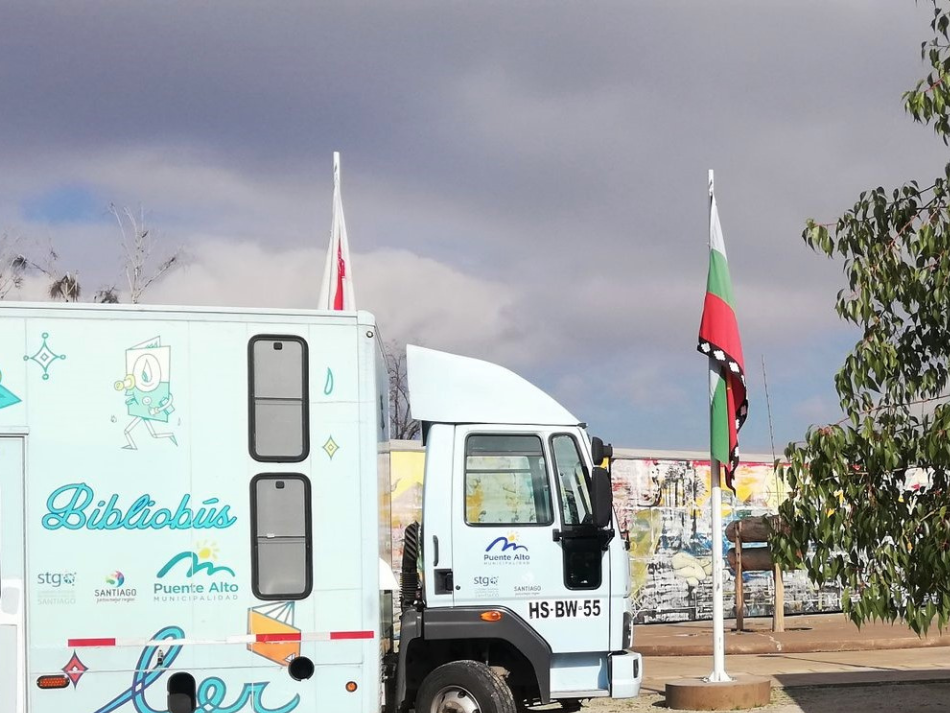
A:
(330, 447)
(74, 669)
(44, 357)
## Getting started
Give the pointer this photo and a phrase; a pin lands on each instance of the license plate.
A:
(564, 609)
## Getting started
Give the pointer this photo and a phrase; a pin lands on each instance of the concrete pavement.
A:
(815, 632)
(815, 650)
(837, 668)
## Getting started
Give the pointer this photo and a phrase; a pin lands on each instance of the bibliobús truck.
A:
(194, 516)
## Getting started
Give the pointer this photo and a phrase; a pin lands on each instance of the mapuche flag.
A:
(719, 340)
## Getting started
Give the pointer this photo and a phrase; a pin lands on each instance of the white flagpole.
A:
(718, 674)
(327, 284)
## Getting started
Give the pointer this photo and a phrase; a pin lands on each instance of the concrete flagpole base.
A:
(695, 694)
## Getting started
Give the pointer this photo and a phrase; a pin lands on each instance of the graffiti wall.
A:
(663, 503)
(406, 468)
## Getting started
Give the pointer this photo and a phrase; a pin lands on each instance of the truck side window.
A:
(571, 481)
(583, 555)
(279, 394)
(506, 481)
(281, 561)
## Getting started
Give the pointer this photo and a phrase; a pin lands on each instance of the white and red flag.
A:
(336, 290)
(719, 340)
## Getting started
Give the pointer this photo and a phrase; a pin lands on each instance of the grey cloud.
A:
(548, 160)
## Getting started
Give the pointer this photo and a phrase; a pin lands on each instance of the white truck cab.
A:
(521, 566)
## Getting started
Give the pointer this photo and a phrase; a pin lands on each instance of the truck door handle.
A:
(444, 581)
(435, 550)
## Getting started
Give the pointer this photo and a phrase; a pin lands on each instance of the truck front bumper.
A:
(626, 674)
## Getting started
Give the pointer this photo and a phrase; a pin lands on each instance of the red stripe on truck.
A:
(271, 638)
(257, 638)
(351, 635)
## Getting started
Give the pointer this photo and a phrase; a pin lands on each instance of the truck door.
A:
(522, 536)
(12, 594)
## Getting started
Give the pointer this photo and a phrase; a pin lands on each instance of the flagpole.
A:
(718, 674)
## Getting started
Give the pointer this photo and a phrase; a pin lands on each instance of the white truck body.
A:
(194, 515)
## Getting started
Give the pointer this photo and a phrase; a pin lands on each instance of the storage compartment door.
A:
(12, 594)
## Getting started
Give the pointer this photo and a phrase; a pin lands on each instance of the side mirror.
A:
(599, 451)
(601, 497)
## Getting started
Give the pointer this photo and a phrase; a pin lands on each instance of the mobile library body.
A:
(194, 516)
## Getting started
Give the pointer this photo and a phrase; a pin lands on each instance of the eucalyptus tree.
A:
(868, 503)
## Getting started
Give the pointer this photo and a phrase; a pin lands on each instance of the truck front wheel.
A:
(464, 687)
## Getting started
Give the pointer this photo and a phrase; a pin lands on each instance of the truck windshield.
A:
(572, 481)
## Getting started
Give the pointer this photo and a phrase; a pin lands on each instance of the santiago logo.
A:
(115, 592)
(498, 551)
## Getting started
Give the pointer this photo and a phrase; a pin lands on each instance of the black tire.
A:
(453, 686)
(409, 575)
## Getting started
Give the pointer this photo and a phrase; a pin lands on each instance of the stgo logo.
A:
(56, 579)
(56, 588)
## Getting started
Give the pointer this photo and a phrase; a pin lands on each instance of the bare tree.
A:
(11, 264)
(138, 244)
(401, 425)
(63, 286)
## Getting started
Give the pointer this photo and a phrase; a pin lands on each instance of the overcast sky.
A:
(522, 181)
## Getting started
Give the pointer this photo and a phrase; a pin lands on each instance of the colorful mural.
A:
(663, 504)
(405, 469)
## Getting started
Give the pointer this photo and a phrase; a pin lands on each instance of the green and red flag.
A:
(719, 340)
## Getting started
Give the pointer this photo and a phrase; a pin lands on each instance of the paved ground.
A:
(820, 663)
(819, 632)
(798, 670)
(895, 697)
